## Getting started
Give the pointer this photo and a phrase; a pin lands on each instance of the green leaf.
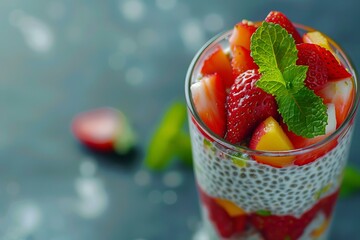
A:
(273, 47)
(294, 77)
(165, 141)
(274, 51)
(264, 213)
(351, 182)
(184, 149)
(303, 112)
(272, 82)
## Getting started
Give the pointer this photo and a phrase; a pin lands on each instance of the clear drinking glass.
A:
(243, 199)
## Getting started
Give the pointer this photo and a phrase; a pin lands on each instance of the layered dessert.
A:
(271, 108)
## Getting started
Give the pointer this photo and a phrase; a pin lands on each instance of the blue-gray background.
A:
(59, 58)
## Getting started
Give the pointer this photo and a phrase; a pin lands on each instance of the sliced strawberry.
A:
(288, 227)
(201, 130)
(341, 94)
(97, 128)
(247, 106)
(218, 62)
(209, 99)
(269, 136)
(223, 223)
(317, 75)
(336, 70)
(328, 203)
(242, 61)
(283, 21)
(239, 223)
(241, 34)
(302, 142)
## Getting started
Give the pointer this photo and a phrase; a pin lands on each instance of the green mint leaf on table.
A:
(351, 182)
(274, 51)
(169, 139)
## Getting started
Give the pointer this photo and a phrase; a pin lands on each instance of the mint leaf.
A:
(263, 213)
(274, 51)
(168, 139)
(351, 182)
(272, 81)
(294, 76)
(273, 47)
(303, 112)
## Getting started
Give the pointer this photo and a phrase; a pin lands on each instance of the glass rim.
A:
(240, 148)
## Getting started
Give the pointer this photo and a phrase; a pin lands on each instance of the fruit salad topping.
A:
(271, 71)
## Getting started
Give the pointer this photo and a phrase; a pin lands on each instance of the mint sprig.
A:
(274, 51)
(169, 140)
(351, 181)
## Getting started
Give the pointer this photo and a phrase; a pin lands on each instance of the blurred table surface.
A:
(59, 58)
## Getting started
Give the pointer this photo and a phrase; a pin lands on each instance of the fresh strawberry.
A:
(328, 203)
(98, 128)
(269, 136)
(341, 94)
(209, 98)
(283, 21)
(242, 61)
(239, 223)
(288, 227)
(241, 34)
(247, 106)
(223, 223)
(201, 130)
(316, 75)
(279, 227)
(218, 62)
(336, 70)
(302, 142)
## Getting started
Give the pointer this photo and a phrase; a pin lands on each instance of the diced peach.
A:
(231, 208)
(317, 38)
(269, 136)
(318, 232)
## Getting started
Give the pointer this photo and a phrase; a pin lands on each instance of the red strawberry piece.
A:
(283, 21)
(341, 94)
(209, 98)
(242, 61)
(308, 55)
(336, 71)
(241, 34)
(302, 142)
(97, 128)
(218, 62)
(288, 227)
(247, 106)
(239, 223)
(328, 203)
(274, 227)
(221, 220)
(201, 130)
(313, 155)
